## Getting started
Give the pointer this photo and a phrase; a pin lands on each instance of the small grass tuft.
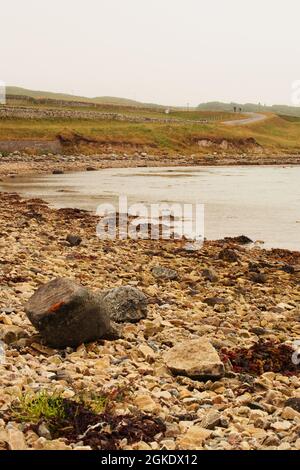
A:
(91, 419)
(41, 406)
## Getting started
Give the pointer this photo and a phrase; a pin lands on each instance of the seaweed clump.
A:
(263, 356)
(93, 423)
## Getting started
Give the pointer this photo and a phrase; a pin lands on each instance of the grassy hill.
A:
(276, 134)
(37, 94)
(250, 107)
(279, 133)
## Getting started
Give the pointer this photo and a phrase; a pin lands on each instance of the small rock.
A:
(11, 333)
(228, 255)
(272, 441)
(297, 444)
(102, 364)
(74, 240)
(146, 351)
(211, 420)
(258, 278)
(82, 448)
(281, 426)
(16, 439)
(293, 403)
(195, 358)
(290, 413)
(193, 439)
(145, 403)
(241, 240)
(57, 172)
(163, 394)
(284, 446)
(8, 310)
(43, 431)
(212, 301)
(168, 444)
(160, 272)
(210, 275)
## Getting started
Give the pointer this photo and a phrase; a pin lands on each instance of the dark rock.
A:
(293, 403)
(254, 267)
(67, 314)
(57, 172)
(125, 304)
(210, 275)
(212, 301)
(91, 168)
(241, 240)
(11, 333)
(259, 331)
(160, 272)
(256, 406)
(228, 255)
(258, 278)
(74, 240)
(288, 269)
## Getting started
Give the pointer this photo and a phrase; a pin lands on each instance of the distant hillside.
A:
(12, 90)
(250, 107)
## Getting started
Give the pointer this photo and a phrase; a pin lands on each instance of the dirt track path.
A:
(253, 117)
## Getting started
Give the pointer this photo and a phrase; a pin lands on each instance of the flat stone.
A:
(160, 272)
(281, 426)
(146, 351)
(16, 439)
(195, 358)
(211, 420)
(145, 403)
(193, 439)
(290, 413)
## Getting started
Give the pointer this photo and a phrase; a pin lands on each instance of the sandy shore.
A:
(236, 301)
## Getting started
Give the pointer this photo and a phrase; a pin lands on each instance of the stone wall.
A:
(23, 112)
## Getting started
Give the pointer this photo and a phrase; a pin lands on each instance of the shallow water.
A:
(260, 202)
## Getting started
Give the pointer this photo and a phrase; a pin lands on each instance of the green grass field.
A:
(275, 133)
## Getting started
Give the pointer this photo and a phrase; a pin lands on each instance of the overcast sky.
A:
(163, 51)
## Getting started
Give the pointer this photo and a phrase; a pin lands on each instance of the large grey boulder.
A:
(125, 304)
(68, 314)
